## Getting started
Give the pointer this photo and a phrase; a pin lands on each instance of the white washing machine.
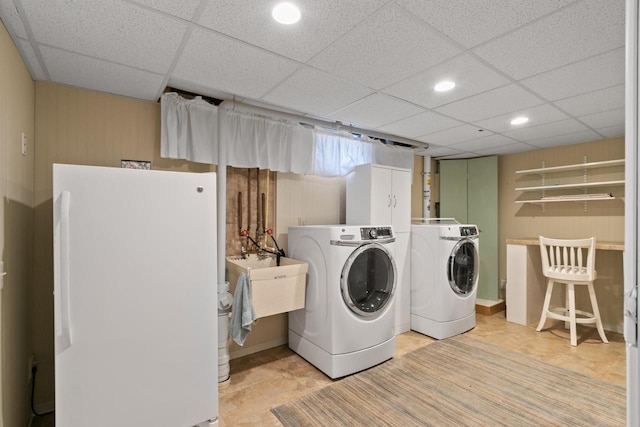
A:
(444, 277)
(347, 324)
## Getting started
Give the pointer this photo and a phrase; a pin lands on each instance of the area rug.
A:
(460, 381)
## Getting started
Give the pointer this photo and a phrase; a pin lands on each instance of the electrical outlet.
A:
(24, 144)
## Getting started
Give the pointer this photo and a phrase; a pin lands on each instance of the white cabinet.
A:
(555, 184)
(379, 195)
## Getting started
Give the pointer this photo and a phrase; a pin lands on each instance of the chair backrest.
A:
(568, 259)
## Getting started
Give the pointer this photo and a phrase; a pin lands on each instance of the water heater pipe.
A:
(224, 298)
(426, 187)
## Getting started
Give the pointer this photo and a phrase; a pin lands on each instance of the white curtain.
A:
(189, 129)
(338, 154)
(192, 130)
(392, 155)
(256, 141)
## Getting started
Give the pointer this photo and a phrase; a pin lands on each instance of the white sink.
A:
(274, 289)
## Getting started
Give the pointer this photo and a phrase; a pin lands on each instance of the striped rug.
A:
(461, 382)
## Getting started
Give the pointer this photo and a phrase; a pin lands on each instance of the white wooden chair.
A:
(571, 262)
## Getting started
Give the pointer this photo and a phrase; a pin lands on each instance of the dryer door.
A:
(368, 280)
(462, 267)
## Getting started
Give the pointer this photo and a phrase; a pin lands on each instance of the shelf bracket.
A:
(542, 165)
(585, 179)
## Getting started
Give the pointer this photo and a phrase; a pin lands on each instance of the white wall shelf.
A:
(566, 199)
(578, 166)
(545, 186)
(577, 185)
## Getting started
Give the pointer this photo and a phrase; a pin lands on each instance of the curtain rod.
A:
(337, 126)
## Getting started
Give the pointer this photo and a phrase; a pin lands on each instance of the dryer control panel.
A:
(374, 233)
(471, 230)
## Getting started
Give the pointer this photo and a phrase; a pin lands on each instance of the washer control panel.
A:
(470, 230)
(374, 233)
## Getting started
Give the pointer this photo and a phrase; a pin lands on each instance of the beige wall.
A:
(88, 128)
(602, 219)
(16, 233)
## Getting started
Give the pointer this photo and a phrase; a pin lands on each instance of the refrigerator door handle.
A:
(61, 287)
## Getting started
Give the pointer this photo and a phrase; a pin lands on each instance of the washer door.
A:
(462, 267)
(368, 280)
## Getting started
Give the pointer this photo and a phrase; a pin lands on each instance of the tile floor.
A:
(270, 378)
(267, 379)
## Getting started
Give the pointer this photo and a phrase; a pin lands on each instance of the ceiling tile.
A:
(470, 75)
(615, 131)
(11, 18)
(541, 114)
(31, 60)
(385, 48)
(604, 119)
(489, 104)
(549, 129)
(454, 135)
(593, 102)
(473, 22)
(595, 73)
(375, 110)
(95, 74)
(315, 92)
(321, 23)
(421, 124)
(483, 143)
(517, 147)
(108, 29)
(572, 34)
(571, 138)
(181, 8)
(245, 70)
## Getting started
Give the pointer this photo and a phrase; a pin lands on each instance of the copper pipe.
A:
(248, 200)
(264, 213)
(257, 201)
(239, 212)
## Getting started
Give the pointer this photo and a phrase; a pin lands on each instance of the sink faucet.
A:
(243, 252)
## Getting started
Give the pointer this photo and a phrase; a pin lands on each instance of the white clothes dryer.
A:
(347, 324)
(444, 277)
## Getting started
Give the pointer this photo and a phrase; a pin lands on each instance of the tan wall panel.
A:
(603, 219)
(16, 232)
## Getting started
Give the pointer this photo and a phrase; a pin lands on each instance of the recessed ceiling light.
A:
(286, 13)
(444, 86)
(520, 120)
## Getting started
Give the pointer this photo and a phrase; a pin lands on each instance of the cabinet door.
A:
(469, 193)
(482, 200)
(401, 201)
(381, 196)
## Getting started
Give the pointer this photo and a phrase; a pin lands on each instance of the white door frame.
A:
(631, 214)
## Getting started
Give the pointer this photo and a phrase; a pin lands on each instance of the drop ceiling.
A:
(367, 63)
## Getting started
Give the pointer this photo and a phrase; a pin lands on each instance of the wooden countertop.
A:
(600, 244)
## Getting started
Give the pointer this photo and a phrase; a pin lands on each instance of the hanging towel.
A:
(242, 312)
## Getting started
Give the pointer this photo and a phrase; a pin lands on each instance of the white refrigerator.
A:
(135, 297)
